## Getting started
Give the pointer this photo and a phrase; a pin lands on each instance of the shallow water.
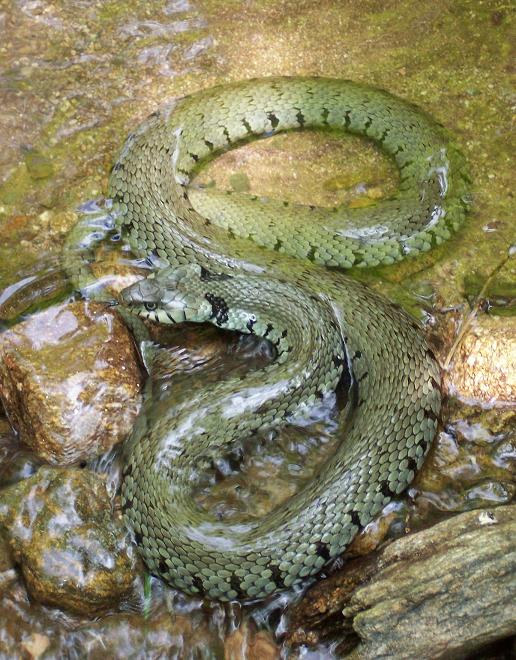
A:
(77, 75)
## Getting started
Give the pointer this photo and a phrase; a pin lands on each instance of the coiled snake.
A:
(259, 267)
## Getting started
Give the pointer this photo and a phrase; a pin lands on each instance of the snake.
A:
(276, 270)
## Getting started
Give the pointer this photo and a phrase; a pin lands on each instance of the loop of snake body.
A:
(260, 267)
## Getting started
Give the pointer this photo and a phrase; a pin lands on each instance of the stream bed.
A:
(76, 76)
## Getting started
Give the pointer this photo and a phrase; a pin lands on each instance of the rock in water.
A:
(73, 553)
(70, 381)
(485, 364)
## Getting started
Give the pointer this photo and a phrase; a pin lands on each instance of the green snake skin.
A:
(260, 267)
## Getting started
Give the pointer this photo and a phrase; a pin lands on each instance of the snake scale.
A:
(261, 267)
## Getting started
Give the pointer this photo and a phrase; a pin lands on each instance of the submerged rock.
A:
(485, 363)
(73, 552)
(455, 584)
(69, 381)
(246, 642)
(26, 630)
(127, 635)
(38, 165)
(471, 464)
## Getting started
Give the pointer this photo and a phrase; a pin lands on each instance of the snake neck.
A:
(310, 355)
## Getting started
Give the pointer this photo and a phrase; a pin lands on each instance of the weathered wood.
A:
(440, 593)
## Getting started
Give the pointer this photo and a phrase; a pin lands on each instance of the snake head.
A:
(170, 296)
(142, 293)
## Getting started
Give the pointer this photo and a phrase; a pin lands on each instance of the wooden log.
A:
(444, 592)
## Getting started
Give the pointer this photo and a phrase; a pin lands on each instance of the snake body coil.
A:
(245, 265)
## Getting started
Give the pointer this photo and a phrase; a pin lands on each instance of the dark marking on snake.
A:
(276, 575)
(412, 464)
(198, 584)
(385, 489)
(247, 126)
(323, 550)
(236, 585)
(219, 308)
(273, 119)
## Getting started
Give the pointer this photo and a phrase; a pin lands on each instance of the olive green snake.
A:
(260, 267)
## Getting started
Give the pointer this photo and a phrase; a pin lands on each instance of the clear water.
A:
(77, 75)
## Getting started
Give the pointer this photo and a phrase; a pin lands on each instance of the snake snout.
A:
(139, 293)
(130, 296)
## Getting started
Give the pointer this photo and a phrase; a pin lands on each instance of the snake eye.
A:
(149, 306)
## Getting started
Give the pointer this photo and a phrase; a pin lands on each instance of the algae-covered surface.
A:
(76, 76)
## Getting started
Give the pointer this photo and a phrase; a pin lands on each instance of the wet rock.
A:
(36, 644)
(23, 464)
(8, 573)
(70, 381)
(73, 553)
(6, 562)
(454, 583)
(485, 363)
(16, 461)
(163, 635)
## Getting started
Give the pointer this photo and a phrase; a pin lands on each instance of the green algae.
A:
(451, 59)
(39, 166)
(240, 182)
